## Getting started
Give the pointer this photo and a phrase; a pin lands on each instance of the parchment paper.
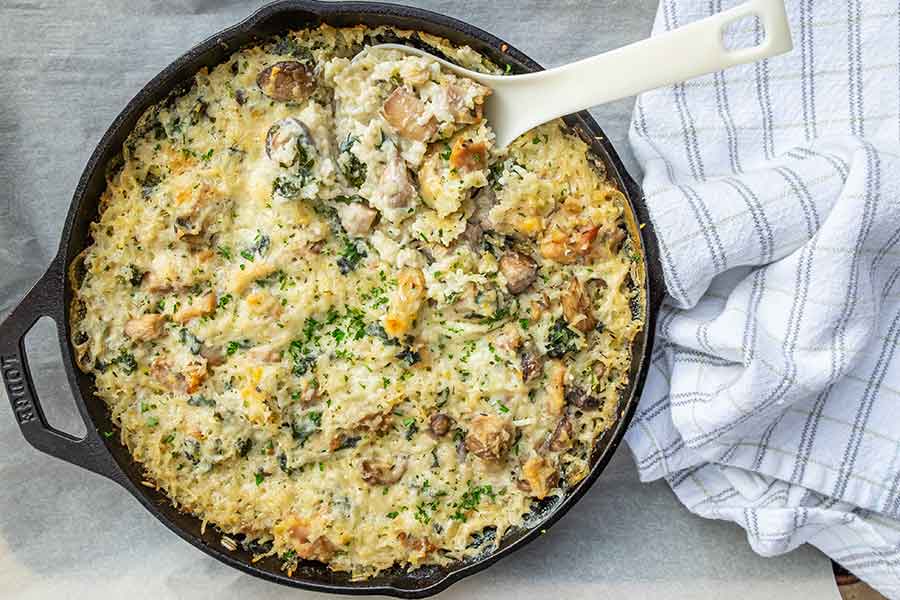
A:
(67, 70)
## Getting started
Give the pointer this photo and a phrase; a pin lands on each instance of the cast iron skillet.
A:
(51, 297)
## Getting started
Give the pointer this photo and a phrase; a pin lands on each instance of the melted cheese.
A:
(288, 392)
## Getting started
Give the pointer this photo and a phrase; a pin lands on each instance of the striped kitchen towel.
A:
(774, 394)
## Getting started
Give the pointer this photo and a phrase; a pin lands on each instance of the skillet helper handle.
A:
(43, 301)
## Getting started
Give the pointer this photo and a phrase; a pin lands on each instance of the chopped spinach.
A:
(137, 276)
(125, 360)
(200, 400)
(261, 243)
(191, 341)
(353, 169)
(306, 425)
(151, 180)
(243, 446)
(560, 339)
(409, 356)
(350, 257)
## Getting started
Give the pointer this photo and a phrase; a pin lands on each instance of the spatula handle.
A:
(678, 55)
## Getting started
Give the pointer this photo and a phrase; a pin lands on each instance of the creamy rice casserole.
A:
(331, 318)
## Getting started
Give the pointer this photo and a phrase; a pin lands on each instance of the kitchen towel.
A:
(773, 398)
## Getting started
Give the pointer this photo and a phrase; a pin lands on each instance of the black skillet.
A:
(51, 297)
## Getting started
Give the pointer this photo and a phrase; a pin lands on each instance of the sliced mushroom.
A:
(561, 438)
(472, 303)
(519, 270)
(581, 399)
(287, 81)
(484, 200)
(405, 112)
(378, 473)
(145, 327)
(439, 424)
(490, 437)
(468, 156)
(289, 139)
(509, 338)
(472, 235)
(531, 364)
(356, 218)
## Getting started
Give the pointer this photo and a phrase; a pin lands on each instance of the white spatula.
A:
(521, 102)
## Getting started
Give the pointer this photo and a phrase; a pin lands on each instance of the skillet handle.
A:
(44, 299)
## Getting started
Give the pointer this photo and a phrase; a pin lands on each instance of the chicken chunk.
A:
(576, 305)
(298, 533)
(490, 437)
(241, 279)
(519, 270)
(198, 307)
(556, 391)
(406, 113)
(197, 210)
(356, 218)
(145, 327)
(539, 476)
(456, 103)
(405, 302)
(468, 156)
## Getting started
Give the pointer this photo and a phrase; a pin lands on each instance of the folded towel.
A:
(774, 394)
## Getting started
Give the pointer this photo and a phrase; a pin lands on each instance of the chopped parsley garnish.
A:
(392, 515)
(260, 477)
(470, 500)
(234, 345)
(224, 252)
(152, 421)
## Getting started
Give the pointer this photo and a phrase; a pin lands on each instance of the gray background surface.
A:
(68, 69)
